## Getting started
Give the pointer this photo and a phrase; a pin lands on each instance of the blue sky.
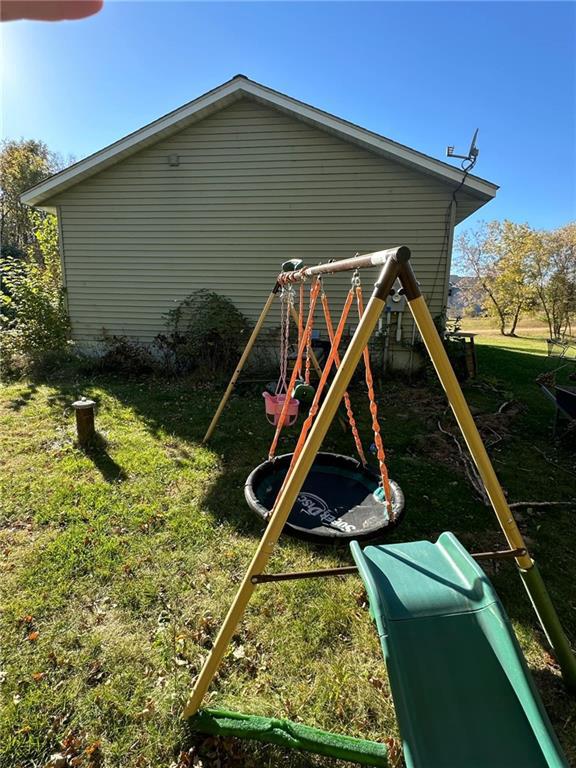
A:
(424, 74)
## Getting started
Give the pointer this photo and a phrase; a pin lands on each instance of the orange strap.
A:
(374, 412)
(309, 336)
(314, 291)
(348, 404)
(321, 384)
(300, 327)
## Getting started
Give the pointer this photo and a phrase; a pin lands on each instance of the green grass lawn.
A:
(117, 566)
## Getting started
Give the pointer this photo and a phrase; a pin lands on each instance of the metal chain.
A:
(314, 287)
(285, 299)
(300, 325)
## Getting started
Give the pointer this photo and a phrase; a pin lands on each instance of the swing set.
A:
(461, 688)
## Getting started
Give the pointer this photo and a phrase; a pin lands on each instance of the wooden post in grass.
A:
(85, 421)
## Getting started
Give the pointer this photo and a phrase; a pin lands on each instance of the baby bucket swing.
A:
(302, 392)
(342, 498)
(274, 403)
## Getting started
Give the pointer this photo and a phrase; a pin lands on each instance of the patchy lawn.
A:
(117, 566)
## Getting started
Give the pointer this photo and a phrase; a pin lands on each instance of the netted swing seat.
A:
(340, 500)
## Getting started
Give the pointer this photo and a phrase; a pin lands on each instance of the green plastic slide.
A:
(462, 691)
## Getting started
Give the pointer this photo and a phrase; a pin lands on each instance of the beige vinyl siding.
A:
(254, 187)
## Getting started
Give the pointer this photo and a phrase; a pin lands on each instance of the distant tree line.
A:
(513, 269)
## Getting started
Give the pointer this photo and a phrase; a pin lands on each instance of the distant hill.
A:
(465, 297)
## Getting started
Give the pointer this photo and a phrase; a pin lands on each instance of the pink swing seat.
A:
(274, 405)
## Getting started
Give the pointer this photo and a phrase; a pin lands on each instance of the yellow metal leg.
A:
(240, 366)
(467, 426)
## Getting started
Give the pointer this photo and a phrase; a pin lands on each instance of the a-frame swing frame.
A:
(395, 265)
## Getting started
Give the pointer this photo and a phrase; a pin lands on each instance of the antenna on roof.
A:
(472, 152)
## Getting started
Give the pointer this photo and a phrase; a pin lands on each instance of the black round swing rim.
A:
(324, 535)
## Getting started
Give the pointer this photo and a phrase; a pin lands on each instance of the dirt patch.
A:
(419, 401)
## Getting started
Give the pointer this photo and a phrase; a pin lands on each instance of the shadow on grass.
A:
(178, 408)
(436, 498)
(238, 752)
(23, 398)
(97, 452)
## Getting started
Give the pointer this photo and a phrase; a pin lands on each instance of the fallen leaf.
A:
(33, 636)
(57, 760)
(72, 745)
(92, 751)
(96, 674)
(394, 752)
(92, 748)
(148, 711)
(379, 684)
(37, 676)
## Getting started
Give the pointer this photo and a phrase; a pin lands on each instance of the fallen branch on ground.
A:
(553, 463)
(469, 467)
(542, 504)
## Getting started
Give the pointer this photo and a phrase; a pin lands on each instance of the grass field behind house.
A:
(116, 567)
(527, 325)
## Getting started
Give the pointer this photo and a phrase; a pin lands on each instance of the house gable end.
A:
(220, 98)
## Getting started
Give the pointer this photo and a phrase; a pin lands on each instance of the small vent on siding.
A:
(173, 160)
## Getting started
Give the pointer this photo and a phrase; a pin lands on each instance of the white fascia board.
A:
(221, 97)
